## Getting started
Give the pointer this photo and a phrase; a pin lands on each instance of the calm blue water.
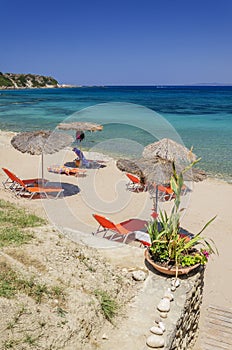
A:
(202, 116)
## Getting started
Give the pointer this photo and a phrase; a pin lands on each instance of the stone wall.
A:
(185, 331)
(164, 315)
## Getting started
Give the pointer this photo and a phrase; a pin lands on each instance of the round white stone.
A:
(139, 275)
(156, 330)
(168, 295)
(162, 326)
(175, 283)
(164, 305)
(155, 341)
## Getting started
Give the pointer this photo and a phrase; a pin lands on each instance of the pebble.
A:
(162, 326)
(163, 314)
(156, 330)
(169, 295)
(157, 319)
(124, 270)
(155, 341)
(173, 288)
(164, 305)
(104, 336)
(175, 283)
(139, 275)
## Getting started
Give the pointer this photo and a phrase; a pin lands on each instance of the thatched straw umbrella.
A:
(129, 166)
(80, 126)
(149, 171)
(169, 150)
(40, 142)
(157, 171)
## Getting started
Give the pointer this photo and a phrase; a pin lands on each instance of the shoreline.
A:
(38, 88)
(6, 135)
(59, 86)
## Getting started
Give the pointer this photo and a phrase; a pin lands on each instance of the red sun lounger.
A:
(11, 184)
(26, 187)
(122, 229)
(134, 184)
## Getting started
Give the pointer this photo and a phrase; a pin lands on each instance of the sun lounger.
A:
(121, 230)
(62, 169)
(32, 191)
(28, 187)
(11, 182)
(163, 193)
(87, 163)
(134, 184)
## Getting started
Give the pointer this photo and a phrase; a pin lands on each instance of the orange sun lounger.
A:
(29, 187)
(166, 193)
(11, 183)
(62, 169)
(134, 184)
(122, 229)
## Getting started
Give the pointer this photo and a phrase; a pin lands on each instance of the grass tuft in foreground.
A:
(108, 305)
(12, 221)
(14, 216)
(13, 236)
(11, 283)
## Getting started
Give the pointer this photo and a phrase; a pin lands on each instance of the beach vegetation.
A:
(13, 222)
(14, 236)
(19, 313)
(37, 276)
(10, 344)
(169, 247)
(61, 312)
(30, 340)
(108, 304)
(11, 282)
(11, 214)
(87, 262)
(58, 292)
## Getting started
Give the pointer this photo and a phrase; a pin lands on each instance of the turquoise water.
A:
(201, 116)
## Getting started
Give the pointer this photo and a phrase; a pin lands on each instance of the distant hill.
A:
(19, 81)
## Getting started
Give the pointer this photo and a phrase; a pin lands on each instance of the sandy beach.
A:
(103, 191)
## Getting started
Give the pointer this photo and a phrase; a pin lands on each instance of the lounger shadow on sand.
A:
(68, 189)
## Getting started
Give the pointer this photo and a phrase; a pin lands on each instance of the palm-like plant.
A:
(167, 244)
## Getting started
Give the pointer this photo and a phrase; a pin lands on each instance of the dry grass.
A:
(55, 294)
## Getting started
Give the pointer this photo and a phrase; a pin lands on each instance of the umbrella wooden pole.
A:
(39, 142)
(42, 159)
(155, 205)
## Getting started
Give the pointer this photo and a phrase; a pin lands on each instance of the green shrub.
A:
(6, 82)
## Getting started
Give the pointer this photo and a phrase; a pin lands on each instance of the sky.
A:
(123, 42)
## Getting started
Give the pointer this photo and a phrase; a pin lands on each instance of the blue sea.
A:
(199, 116)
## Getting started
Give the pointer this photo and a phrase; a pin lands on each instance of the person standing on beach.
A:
(80, 136)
